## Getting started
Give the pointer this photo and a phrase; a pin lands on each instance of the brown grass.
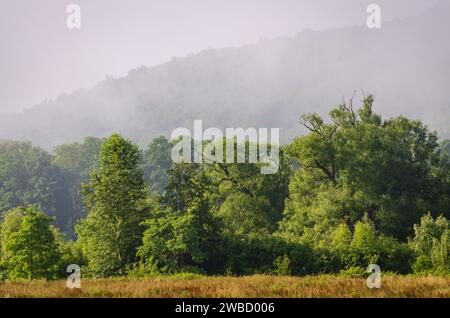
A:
(249, 286)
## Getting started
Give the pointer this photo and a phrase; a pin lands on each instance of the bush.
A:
(366, 247)
(255, 255)
(353, 272)
(282, 266)
(431, 245)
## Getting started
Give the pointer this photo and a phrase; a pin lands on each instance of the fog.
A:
(40, 58)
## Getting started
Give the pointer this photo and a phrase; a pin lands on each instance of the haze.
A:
(40, 58)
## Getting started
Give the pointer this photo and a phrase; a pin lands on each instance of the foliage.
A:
(156, 162)
(445, 147)
(353, 272)
(365, 246)
(349, 193)
(282, 266)
(70, 252)
(76, 161)
(431, 243)
(360, 165)
(27, 177)
(179, 240)
(31, 251)
(116, 200)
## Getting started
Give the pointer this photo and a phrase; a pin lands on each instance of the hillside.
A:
(267, 84)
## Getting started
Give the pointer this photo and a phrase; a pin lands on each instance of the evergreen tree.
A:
(115, 199)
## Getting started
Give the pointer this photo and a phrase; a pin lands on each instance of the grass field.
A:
(249, 286)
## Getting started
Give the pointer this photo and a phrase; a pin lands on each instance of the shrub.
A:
(353, 272)
(282, 266)
(431, 244)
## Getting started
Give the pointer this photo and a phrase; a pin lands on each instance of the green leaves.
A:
(177, 241)
(116, 198)
(157, 161)
(26, 177)
(361, 165)
(431, 243)
(30, 250)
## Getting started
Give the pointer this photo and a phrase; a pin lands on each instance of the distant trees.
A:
(445, 146)
(156, 162)
(30, 175)
(75, 161)
(27, 176)
(115, 199)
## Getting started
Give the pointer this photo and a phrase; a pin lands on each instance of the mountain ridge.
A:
(270, 83)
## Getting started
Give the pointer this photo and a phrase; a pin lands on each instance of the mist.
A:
(40, 58)
(146, 68)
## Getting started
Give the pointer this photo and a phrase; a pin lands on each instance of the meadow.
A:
(258, 286)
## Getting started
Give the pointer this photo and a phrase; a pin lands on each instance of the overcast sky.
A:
(41, 58)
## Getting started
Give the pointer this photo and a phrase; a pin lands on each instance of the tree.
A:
(10, 224)
(445, 147)
(366, 246)
(360, 165)
(115, 199)
(182, 234)
(243, 215)
(177, 241)
(431, 243)
(30, 251)
(75, 161)
(237, 202)
(235, 187)
(157, 162)
(27, 177)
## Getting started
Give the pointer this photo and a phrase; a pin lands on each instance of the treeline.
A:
(355, 190)
(32, 176)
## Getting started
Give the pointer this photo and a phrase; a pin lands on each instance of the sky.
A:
(40, 58)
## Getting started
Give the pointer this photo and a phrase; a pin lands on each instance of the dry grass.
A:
(250, 286)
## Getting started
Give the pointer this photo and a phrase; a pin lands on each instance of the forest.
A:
(356, 189)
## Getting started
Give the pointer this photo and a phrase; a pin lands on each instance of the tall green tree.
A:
(359, 164)
(30, 250)
(182, 233)
(115, 199)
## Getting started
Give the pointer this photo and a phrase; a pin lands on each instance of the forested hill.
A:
(268, 84)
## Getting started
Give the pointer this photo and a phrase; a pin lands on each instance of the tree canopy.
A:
(360, 165)
(115, 199)
(356, 189)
